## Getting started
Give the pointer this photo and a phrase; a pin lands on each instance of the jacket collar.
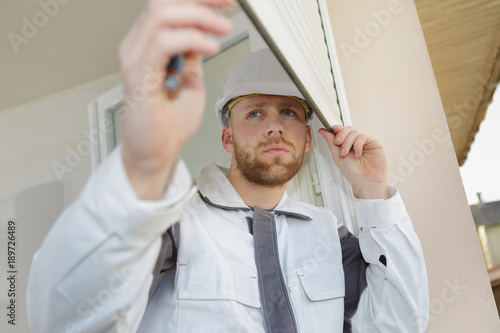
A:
(216, 190)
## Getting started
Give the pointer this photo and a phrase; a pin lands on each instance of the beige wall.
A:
(393, 95)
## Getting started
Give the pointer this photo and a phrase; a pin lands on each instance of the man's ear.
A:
(227, 139)
(308, 139)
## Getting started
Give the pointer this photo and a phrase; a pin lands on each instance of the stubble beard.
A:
(274, 173)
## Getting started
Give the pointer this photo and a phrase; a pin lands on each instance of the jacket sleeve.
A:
(93, 271)
(396, 295)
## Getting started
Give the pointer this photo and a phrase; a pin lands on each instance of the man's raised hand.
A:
(157, 122)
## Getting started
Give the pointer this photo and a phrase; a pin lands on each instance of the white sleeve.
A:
(396, 298)
(94, 269)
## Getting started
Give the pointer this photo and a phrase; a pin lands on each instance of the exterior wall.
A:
(393, 96)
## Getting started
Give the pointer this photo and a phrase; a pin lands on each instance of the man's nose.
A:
(275, 127)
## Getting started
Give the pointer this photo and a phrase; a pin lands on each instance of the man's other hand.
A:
(361, 159)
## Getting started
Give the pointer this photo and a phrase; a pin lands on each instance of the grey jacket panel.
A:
(167, 258)
(354, 273)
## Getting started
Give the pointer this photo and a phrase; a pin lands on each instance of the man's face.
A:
(268, 137)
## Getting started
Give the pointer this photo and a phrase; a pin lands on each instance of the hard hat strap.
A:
(229, 105)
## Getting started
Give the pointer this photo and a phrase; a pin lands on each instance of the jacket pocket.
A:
(321, 293)
(222, 296)
(217, 280)
(323, 283)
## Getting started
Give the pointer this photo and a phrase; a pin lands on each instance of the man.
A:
(141, 250)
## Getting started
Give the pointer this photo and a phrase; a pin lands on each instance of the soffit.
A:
(463, 39)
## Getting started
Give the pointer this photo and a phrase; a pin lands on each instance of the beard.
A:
(268, 173)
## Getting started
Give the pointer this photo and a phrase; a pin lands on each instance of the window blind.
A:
(293, 30)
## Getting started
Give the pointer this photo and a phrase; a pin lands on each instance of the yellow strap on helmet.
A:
(235, 100)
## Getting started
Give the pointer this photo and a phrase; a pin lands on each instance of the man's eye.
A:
(288, 113)
(254, 114)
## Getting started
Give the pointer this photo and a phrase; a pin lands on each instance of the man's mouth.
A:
(276, 149)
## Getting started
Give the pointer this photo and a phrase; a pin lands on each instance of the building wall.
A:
(392, 93)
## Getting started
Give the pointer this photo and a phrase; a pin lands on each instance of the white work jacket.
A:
(95, 270)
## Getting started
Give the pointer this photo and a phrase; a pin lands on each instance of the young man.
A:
(141, 250)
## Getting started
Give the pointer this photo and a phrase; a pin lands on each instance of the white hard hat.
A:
(258, 73)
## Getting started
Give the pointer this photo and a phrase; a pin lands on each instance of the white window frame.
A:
(100, 118)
